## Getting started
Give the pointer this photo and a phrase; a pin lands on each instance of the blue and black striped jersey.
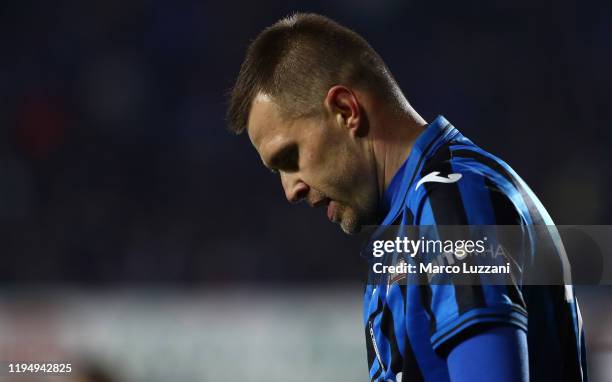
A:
(409, 327)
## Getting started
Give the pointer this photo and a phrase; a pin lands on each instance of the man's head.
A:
(303, 94)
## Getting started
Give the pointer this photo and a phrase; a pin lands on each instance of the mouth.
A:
(331, 207)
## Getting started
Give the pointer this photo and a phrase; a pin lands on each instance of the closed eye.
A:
(286, 159)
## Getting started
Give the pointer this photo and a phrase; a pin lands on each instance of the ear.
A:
(342, 103)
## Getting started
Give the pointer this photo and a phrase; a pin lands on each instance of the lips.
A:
(326, 202)
(321, 202)
(331, 211)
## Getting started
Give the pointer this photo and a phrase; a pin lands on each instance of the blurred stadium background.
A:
(145, 243)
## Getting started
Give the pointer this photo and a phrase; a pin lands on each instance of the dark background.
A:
(116, 166)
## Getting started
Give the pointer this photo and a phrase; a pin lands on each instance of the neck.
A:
(394, 135)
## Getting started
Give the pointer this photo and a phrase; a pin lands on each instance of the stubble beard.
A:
(352, 219)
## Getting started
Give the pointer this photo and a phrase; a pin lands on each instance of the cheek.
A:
(332, 164)
(320, 155)
(345, 172)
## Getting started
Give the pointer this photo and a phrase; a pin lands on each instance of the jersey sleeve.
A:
(457, 309)
(501, 352)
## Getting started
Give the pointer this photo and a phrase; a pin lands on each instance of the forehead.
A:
(265, 122)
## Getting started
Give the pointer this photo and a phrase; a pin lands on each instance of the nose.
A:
(295, 189)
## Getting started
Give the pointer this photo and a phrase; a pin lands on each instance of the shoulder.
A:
(455, 187)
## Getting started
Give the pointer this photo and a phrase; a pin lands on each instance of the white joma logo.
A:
(433, 177)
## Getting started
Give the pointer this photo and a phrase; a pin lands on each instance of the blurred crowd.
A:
(116, 166)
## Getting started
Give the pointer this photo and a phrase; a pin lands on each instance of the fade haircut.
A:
(298, 59)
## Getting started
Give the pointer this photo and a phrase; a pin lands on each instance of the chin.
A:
(350, 229)
(352, 219)
(350, 223)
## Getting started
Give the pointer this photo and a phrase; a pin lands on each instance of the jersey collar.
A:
(435, 134)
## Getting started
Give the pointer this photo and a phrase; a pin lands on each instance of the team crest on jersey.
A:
(397, 277)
